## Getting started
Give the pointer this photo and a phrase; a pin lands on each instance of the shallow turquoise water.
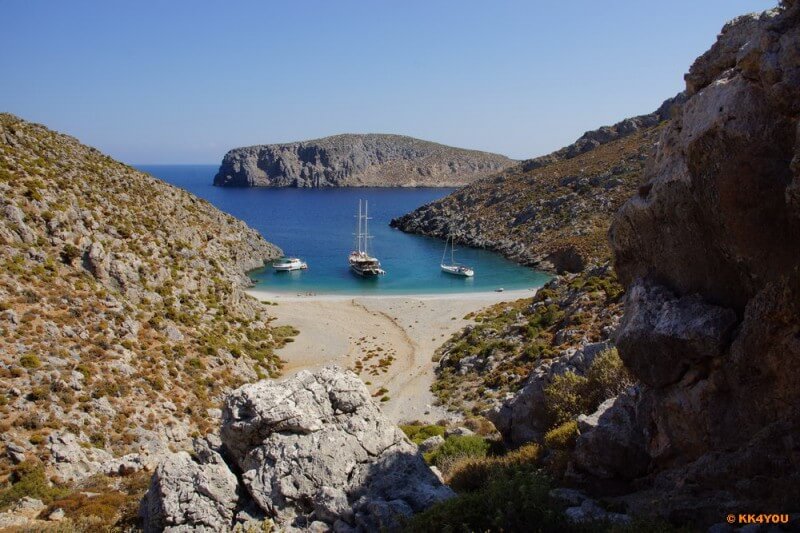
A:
(318, 225)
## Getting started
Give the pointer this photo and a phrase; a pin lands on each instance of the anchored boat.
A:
(361, 263)
(286, 264)
(454, 268)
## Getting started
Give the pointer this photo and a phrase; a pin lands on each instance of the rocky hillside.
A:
(123, 319)
(552, 212)
(370, 160)
(709, 251)
(568, 321)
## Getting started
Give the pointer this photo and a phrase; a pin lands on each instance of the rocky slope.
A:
(313, 452)
(565, 325)
(370, 160)
(122, 316)
(709, 251)
(551, 212)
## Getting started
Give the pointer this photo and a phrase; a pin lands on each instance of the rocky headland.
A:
(552, 212)
(353, 160)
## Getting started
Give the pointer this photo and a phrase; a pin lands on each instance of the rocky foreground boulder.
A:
(351, 160)
(709, 251)
(311, 452)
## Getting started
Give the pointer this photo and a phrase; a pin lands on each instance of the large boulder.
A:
(186, 493)
(313, 451)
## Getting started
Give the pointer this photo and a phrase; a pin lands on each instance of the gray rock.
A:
(319, 436)
(431, 443)
(188, 495)
(611, 445)
(313, 449)
(590, 511)
(15, 452)
(661, 335)
(57, 515)
(458, 431)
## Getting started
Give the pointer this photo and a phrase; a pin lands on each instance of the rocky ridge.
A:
(708, 252)
(123, 319)
(352, 160)
(313, 452)
(552, 212)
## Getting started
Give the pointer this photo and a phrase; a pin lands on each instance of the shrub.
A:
(569, 395)
(565, 397)
(473, 473)
(562, 437)
(456, 448)
(29, 479)
(418, 433)
(30, 361)
(515, 501)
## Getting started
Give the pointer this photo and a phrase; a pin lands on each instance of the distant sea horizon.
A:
(318, 226)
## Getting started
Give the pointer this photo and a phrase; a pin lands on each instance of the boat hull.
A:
(463, 272)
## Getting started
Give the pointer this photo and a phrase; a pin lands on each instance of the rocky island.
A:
(352, 160)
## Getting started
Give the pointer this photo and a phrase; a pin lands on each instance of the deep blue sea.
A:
(318, 226)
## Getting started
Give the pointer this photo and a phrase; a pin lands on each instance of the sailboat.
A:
(453, 267)
(361, 263)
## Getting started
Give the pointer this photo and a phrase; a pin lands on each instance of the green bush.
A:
(562, 437)
(30, 361)
(515, 501)
(570, 395)
(29, 479)
(565, 397)
(418, 433)
(458, 447)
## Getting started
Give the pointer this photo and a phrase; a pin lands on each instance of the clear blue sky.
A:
(183, 81)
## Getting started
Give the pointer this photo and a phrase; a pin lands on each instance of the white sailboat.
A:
(361, 263)
(454, 268)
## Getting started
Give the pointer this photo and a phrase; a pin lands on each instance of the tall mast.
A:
(366, 225)
(359, 227)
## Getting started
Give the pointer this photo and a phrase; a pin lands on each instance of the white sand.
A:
(342, 329)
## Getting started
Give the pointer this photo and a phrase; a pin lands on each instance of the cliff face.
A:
(708, 251)
(123, 319)
(371, 160)
(551, 212)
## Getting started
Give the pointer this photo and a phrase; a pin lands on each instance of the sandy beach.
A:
(393, 338)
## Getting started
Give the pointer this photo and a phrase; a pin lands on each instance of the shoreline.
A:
(391, 338)
(500, 296)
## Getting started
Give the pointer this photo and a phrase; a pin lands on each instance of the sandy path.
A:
(346, 329)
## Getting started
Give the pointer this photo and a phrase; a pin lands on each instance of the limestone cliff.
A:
(370, 160)
(709, 250)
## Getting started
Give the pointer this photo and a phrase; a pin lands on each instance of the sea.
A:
(319, 226)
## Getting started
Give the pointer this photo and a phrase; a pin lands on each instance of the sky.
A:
(184, 81)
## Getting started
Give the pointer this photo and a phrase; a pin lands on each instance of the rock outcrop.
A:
(311, 452)
(709, 251)
(122, 305)
(350, 160)
(552, 212)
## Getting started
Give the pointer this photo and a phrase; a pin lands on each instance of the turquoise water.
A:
(318, 225)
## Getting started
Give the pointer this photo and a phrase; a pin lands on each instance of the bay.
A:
(318, 226)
